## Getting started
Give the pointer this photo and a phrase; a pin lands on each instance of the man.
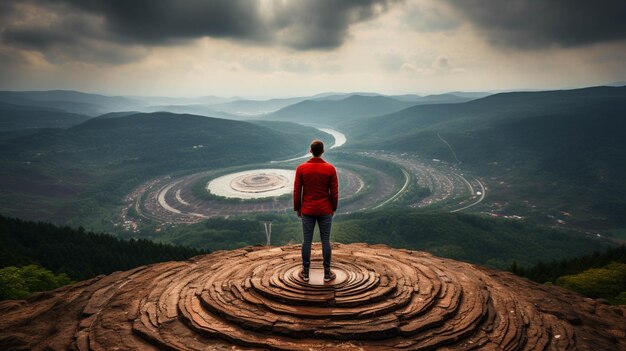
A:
(315, 197)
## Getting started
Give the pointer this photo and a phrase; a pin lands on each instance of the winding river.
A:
(339, 137)
(267, 182)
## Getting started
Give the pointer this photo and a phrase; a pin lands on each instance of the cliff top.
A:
(383, 298)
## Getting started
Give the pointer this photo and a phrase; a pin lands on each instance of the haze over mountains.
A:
(572, 139)
(17, 117)
(231, 108)
(333, 109)
(71, 101)
(59, 165)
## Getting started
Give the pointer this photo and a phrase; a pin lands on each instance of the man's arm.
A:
(297, 192)
(334, 190)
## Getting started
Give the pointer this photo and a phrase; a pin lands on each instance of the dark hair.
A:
(317, 148)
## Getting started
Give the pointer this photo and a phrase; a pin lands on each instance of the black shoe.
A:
(304, 275)
(329, 275)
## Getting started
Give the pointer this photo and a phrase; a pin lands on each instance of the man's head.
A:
(317, 148)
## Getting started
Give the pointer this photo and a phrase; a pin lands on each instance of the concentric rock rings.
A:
(381, 299)
(253, 298)
(254, 183)
(259, 183)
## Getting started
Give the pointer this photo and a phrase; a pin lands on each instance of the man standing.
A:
(315, 197)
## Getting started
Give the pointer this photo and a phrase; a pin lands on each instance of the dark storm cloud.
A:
(70, 28)
(158, 22)
(40, 35)
(322, 24)
(535, 24)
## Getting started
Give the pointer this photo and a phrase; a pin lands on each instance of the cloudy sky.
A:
(271, 48)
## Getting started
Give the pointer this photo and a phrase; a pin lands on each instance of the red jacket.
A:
(315, 189)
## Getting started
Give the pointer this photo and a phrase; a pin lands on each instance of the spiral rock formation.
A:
(259, 183)
(255, 183)
(382, 299)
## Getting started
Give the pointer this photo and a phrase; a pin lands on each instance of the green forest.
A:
(466, 237)
(36, 256)
(20, 282)
(597, 275)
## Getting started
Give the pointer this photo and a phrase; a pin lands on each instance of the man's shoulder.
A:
(329, 165)
(315, 164)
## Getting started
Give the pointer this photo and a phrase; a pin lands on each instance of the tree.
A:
(19, 283)
(608, 282)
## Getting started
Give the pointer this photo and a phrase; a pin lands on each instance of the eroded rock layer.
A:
(382, 299)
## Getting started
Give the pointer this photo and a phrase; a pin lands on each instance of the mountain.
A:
(406, 97)
(506, 111)
(193, 109)
(449, 98)
(59, 175)
(421, 100)
(166, 100)
(572, 139)
(341, 96)
(118, 114)
(470, 94)
(71, 101)
(331, 112)
(617, 84)
(333, 109)
(382, 299)
(17, 117)
(233, 108)
(255, 107)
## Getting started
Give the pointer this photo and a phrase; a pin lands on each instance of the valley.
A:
(471, 193)
(147, 175)
(364, 186)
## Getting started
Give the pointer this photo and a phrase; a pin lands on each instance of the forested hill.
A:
(61, 174)
(569, 143)
(169, 139)
(487, 113)
(71, 101)
(17, 117)
(78, 253)
(333, 111)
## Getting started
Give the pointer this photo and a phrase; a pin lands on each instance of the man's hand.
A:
(299, 214)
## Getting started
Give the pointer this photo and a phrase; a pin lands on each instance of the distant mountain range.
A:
(547, 143)
(335, 109)
(487, 113)
(46, 108)
(552, 144)
(71, 101)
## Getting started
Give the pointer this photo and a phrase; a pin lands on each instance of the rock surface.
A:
(252, 298)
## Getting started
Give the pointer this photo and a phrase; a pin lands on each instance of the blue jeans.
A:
(308, 226)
